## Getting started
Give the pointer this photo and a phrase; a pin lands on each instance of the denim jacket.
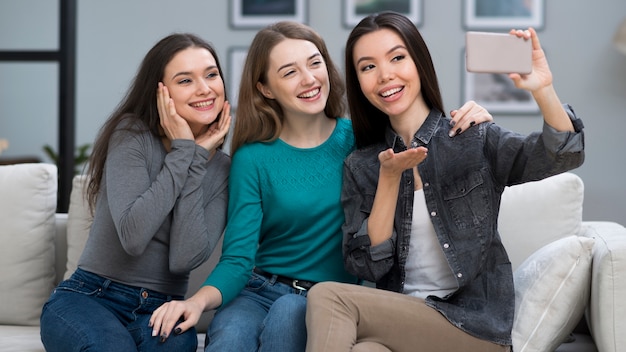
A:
(463, 180)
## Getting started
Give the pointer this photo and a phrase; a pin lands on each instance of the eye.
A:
(212, 75)
(398, 58)
(367, 67)
(289, 73)
(184, 81)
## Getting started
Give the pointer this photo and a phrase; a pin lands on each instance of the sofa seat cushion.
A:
(28, 200)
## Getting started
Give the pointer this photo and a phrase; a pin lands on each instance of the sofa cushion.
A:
(607, 308)
(79, 219)
(534, 214)
(28, 200)
(551, 292)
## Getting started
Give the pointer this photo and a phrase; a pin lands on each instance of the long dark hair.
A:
(369, 123)
(140, 102)
(259, 118)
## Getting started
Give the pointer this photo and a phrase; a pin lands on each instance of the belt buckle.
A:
(295, 285)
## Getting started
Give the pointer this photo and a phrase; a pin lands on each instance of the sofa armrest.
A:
(607, 308)
(60, 245)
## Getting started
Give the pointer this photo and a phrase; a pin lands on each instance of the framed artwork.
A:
(355, 10)
(236, 60)
(259, 13)
(503, 14)
(496, 92)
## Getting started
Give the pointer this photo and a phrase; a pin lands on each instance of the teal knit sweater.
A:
(284, 213)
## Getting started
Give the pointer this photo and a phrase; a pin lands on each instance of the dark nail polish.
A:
(178, 331)
(163, 337)
(452, 123)
(472, 123)
(458, 130)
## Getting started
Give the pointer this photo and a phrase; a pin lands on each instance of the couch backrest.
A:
(28, 200)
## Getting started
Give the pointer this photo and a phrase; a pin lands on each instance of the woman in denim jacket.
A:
(425, 228)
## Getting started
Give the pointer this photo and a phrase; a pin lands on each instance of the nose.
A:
(308, 78)
(203, 87)
(385, 73)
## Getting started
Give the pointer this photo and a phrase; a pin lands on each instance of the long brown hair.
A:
(260, 119)
(368, 122)
(140, 103)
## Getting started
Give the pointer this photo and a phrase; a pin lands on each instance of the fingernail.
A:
(178, 331)
(452, 123)
(472, 123)
(451, 134)
(154, 333)
(458, 130)
(163, 337)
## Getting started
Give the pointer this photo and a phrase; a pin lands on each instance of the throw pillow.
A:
(551, 293)
(28, 200)
(79, 221)
(534, 214)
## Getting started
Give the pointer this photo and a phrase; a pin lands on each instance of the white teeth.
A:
(390, 92)
(203, 104)
(310, 94)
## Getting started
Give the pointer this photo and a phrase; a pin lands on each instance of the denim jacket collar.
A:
(422, 137)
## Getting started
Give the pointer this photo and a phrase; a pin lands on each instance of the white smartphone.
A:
(487, 52)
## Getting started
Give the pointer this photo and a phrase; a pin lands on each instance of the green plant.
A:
(80, 157)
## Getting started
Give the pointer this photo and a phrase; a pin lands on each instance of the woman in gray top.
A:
(158, 189)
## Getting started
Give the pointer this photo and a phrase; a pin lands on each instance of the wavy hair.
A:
(259, 119)
(139, 105)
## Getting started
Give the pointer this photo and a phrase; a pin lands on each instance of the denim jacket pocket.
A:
(467, 198)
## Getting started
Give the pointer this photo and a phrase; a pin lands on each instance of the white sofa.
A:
(565, 268)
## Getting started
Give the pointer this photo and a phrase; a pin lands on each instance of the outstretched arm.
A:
(539, 83)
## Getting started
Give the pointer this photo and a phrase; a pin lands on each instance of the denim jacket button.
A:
(434, 213)
(459, 275)
(426, 184)
(446, 245)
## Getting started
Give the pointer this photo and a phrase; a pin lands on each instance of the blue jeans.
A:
(266, 316)
(90, 313)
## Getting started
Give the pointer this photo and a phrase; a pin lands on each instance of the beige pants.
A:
(343, 317)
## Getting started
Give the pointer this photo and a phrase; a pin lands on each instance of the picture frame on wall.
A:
(503, 14)
(236, 59)
(496, 92)
(248, 14)
(355, 10)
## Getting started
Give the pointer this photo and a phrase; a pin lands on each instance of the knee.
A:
(290, 304)
(322, 293)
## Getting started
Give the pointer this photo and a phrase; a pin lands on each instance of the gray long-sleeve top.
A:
(158, 215)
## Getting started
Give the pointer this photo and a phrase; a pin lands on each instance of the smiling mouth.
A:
(309, 94)
(202, 104)
(391, 92)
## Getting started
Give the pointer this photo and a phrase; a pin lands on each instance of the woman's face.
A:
(196, 87)
(297, 78)
(387, 73)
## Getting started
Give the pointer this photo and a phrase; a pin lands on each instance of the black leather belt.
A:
(297, 284)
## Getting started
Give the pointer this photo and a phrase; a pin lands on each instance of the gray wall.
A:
(114, 35)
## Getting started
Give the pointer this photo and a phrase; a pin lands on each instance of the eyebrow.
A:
(364, 58)
(293, 63)
(186, 73)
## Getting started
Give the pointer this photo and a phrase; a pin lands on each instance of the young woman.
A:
(421, 208)
(158, 187)
(285, 215)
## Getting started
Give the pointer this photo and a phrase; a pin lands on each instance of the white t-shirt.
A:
(427, 271)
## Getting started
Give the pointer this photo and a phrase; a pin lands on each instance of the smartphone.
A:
(487, 52)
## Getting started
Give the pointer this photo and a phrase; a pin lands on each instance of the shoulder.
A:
(365, 157)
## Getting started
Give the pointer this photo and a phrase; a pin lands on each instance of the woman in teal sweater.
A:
(284, 216)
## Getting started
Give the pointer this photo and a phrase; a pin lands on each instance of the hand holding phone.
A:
(487, 52)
